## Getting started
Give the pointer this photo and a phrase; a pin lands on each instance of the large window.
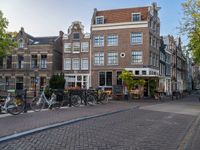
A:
(20, 63)
(84, 64)
(105, 78)
(136, 57)
(75, 64)
(43, 62)
(112, 58)
(19, 83)
(136, 16)
(67, 63)
(77, 80)
(112, 40)
(76, 47)
(21, 43)
(67, 48)
(119, 81)
(76, 36)
(136, 38)
(100, 20)
(99, 58)
(1, 62)
(84, 47)
(34, 61)
(9, 62)
(99, 40)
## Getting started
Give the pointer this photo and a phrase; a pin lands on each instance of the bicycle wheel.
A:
(104, 98)
(15, 106)
(37, 104)
(55, 105)
(76, 100)
(91, 100)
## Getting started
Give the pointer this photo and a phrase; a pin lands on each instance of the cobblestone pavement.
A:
(14, 124)
(135, 129)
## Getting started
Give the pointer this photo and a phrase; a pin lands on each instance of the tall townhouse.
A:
(32, 63)
(189, 72)
(125, 39)
(170, 54)
(162, 80)
(76, 56)
(181, 67)
(196, 76)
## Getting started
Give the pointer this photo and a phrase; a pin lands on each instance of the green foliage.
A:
(129, 81)
(191, 26)
(6, 39)
(57, 81)
(152, 85)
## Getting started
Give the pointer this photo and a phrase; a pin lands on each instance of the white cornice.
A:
(124, 25)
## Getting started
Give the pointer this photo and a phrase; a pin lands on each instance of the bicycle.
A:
(97, 96)
(12, 105)
(38, 103)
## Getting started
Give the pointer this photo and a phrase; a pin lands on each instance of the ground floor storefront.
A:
(109, 79)
(32, 82)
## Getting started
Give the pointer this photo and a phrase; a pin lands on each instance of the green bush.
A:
(57, 81)
(152, 85)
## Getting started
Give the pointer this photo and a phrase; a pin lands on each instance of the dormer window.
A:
(136, 17)
(76, 36)
(100, 20)
(21, 43)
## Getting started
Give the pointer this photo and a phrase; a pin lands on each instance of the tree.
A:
(191, 26)
(6, 39)
(127, 78)
(129, 81)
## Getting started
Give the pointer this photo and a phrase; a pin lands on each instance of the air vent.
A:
(122, 55)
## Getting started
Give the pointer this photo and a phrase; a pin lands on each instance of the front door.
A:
(146, 88)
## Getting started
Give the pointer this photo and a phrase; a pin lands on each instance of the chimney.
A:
(61, 33)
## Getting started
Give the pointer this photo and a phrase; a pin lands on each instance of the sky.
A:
(48, 17)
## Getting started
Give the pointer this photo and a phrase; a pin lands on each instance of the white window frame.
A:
(74, 34)
(83, 48)
(99, 43)
(136, 43)
(21, 43)
(67, 47)
(73, 64)
(112, 56)
(132, 60)
(98, 56)
(99, 17)
(112, 43)
(69, 64)
(75, 44)
(84, 66)
(135, 13)
(43, 62)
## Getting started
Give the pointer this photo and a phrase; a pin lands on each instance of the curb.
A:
(187, 140)
(40, 129)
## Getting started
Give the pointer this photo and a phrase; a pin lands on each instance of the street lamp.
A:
(35, 71)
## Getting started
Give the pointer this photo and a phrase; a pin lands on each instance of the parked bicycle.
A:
(96, 96)
(38, 103)
(13, 105)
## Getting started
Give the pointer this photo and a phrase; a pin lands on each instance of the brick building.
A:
(125, 39)
(76, 56)
(32, 63)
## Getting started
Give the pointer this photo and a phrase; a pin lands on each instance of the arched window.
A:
(21, 43)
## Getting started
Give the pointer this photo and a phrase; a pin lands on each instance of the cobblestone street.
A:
(143, 124)
(133, 129)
